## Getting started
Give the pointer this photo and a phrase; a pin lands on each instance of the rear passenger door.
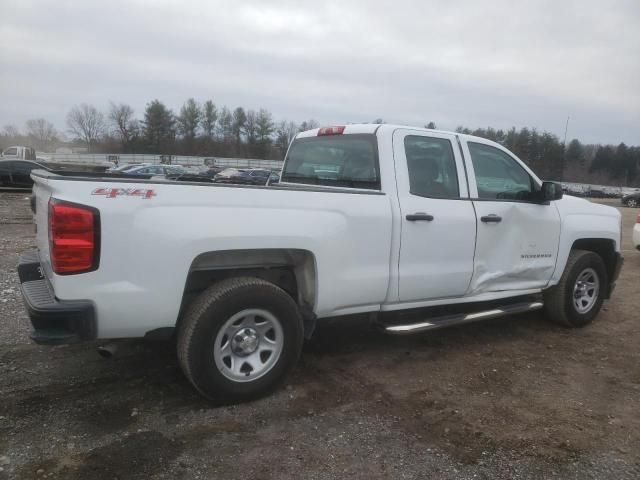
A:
(438, 222)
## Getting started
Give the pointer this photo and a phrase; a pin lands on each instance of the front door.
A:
(438, 223)
(517, 243)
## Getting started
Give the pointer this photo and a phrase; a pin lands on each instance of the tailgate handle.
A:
(493, 218)
(419, 216)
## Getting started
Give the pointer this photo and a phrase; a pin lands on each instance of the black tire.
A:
(632, 202)
(205, 318)
(559, 299)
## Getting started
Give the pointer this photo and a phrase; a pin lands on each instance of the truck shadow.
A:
(104, 393)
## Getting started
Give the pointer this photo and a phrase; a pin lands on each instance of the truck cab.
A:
(18, 152)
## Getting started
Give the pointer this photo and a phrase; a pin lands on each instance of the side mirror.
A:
(551, 191)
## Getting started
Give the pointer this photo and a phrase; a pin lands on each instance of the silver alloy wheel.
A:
(586, 290)
(632, 202)
(248, 345)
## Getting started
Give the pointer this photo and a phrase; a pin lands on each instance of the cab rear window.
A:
(349, 161)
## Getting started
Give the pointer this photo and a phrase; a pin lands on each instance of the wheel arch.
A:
(293, 270)
(605, 248)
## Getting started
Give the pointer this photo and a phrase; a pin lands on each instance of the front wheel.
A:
(239, 338)
(632, 202)
(577, 298)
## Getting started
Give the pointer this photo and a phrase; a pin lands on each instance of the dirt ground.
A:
(510, 398)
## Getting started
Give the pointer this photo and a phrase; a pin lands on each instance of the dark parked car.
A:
(631, 200)
(124, 168)
(252, 176)
(189, 177)
(17, 173)
(155, 170)
(212, 171)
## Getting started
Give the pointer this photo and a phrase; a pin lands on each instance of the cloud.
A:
(456, 63)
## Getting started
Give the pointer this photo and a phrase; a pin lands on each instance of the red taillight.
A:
(73, 237)
(638, 219)
(331, 131)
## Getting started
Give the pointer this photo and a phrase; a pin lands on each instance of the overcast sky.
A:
(472, 63)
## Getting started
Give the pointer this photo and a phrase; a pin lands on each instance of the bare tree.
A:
(308, 125)
(86, 123)
(41, 132)
(251, 127)
(264, 126)
(10, 131)
(225, 124)
(123, 122)
(239, 123)
(285, 132)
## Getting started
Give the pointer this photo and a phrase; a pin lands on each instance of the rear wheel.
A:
(239, 339)
(577, 298)
(632, 202)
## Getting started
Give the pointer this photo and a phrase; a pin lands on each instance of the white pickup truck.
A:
(418, 228)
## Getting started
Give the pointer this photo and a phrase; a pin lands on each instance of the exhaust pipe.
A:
(108, 350)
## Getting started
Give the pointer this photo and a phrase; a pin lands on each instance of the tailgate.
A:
(40, 203)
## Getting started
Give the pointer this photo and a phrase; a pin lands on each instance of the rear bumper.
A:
(54, 321)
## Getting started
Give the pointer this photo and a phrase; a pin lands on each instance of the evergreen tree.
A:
(575, 152)
(159, 127)
(189, 120)
(209, 117)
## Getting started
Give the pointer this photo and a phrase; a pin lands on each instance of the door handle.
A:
(419, 216)
(493, 218)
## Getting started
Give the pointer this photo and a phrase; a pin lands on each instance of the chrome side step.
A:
(459, 318)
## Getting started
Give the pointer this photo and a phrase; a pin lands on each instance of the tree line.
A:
(206, 129)
(551, 159)
(202, 129)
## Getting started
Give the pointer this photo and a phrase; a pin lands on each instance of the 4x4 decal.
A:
(144, 193)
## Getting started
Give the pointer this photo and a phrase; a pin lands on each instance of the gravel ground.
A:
(511, 398)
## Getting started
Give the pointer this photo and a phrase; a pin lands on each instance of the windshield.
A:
(334, 160)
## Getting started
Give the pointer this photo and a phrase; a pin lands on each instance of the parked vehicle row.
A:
(597, 191)
(212, 174)
(146, 169)
(249, 176)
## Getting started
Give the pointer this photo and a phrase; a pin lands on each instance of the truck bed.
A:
(152, 232)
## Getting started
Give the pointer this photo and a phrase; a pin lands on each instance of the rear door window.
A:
(334, 160)
(432, 167)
